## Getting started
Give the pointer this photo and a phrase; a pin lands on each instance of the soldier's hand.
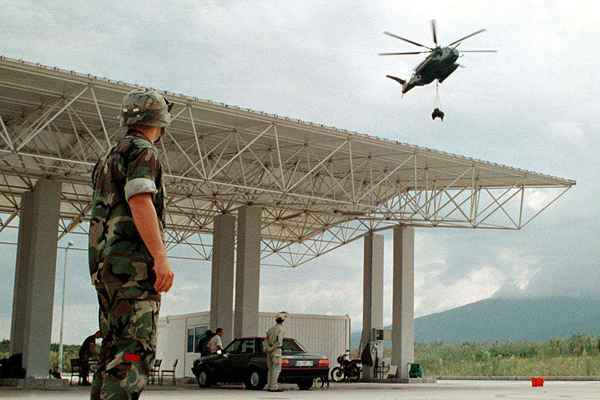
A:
(164, 275)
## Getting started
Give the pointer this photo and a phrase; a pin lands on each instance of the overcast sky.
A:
(533, 105)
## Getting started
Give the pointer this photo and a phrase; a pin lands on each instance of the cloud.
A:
(569, 132)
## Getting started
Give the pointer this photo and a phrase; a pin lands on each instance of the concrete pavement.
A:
(443, 390)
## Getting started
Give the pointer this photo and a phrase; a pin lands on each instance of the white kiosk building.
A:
(178, 336)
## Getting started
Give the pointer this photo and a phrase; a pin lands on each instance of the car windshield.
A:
(233, 347)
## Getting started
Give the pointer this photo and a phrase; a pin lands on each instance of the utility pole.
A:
(62, 309)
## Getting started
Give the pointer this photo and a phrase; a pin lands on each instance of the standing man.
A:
(273, 348)
(87, 351)
(127, 256)
(216, 343)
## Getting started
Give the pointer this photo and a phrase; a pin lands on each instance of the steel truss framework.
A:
(320, 187)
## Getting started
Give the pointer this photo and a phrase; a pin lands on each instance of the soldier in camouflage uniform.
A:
(127, 256)
(273, 347)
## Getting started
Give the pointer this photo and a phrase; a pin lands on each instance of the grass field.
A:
(575, 356)
(70, 351)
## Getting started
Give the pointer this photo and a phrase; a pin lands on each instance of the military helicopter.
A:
(439, 64)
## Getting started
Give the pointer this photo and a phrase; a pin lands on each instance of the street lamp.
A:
(62, 308)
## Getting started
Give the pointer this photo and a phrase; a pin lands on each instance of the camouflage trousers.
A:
(128, 327)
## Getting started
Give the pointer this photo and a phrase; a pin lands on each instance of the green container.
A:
(415, 371)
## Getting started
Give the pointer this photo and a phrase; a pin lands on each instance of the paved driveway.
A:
(443, 390)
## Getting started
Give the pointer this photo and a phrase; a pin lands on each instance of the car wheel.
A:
(203, 378)
(305, 384)
(255, 380)
(337, 374)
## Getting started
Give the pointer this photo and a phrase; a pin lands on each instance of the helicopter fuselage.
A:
(437, 65)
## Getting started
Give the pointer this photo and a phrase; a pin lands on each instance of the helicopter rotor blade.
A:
(466, 37)
(478, 51)
(406, 40)
(404, 53)
(434, 31)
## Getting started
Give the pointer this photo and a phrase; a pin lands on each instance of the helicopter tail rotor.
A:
(399, 80)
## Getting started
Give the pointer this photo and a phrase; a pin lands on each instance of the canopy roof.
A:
(320, 187)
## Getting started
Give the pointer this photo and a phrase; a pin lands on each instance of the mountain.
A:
(500, 319)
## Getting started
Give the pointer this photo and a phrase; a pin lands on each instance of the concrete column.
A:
(247, 281)
(22, 289)
(31, 325)
(222, 279)
(403, 332)
(372, 290)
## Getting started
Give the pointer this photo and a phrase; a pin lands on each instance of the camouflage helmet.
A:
(145, 107)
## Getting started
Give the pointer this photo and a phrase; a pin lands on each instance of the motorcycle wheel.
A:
(337, 374)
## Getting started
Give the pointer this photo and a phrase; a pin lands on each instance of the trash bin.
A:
(415, 370)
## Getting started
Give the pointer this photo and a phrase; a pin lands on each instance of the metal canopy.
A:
(320, 187)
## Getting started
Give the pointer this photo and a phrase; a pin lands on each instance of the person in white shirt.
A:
(215, 344)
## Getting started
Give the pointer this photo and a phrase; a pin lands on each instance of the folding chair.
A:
(154, 372)
(75, 371)
(169, 372)
(93, 365)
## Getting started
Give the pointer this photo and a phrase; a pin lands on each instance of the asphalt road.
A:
(443, 390)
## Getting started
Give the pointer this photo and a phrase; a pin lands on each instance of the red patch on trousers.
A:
(131, 357)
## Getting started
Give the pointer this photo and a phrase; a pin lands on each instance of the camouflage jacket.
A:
(118, 258)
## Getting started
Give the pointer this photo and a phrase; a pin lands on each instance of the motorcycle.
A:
(348, 370)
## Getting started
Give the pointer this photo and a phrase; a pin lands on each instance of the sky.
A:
(533, 105)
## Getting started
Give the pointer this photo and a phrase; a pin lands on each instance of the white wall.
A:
(172, 341)
(325, 334)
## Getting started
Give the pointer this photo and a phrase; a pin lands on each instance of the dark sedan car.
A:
(244, 360)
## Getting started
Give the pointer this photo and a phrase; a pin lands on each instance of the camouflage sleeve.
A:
(142, 171)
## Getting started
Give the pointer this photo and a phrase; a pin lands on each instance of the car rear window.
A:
(289, 346)
(292, 346)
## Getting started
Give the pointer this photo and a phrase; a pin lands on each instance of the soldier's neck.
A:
(151, 133)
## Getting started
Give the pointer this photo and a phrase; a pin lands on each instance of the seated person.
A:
(86, 351)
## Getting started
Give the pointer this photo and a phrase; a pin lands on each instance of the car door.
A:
(240, 360)
(224, 364)
(260, 357)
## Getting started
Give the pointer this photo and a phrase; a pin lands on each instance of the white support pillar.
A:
(372, 291)
(403, 333)
(222, 279)
(247, 282)
(31, 325)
